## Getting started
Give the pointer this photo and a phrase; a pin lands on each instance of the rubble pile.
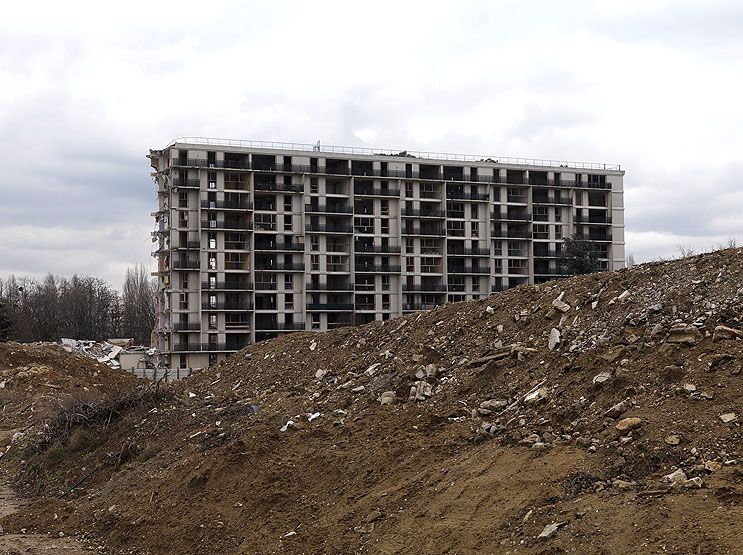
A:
(105, 352)
(599, 413)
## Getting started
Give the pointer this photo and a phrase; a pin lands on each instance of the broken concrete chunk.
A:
(550, 530)
(729, 417)
(675, 476)
(387, 398)
(561, 305)
(685, 335)
(724, 332)
(627, 424)
(617, 410)
(554, 339)
(601, 377)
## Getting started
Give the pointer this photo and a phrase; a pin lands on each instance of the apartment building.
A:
(257, 239)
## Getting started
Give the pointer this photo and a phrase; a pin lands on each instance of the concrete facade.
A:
(257, 239)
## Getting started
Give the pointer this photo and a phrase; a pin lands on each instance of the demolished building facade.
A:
(258, 239)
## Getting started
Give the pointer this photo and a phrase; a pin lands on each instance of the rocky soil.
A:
(595, 414)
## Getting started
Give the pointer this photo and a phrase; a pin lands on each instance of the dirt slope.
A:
(468, 429)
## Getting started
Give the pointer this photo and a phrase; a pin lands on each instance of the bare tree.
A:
(80, 307)
(138, 305)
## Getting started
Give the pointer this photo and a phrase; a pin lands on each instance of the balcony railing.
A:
(432, 231)
(187, 326)
(457, 195)
(468, 270)
(288, 267)
(279, 326)
(361, 248)
(186, 183)
(326, 209)
(279, 187)
(217, 224)
(227, 306)
(418, 213)
(204, 347)
(265, 286)
(224, 286)
(555, 200)
(468, 252)
(509, 216)
(328, 286)
(377, 268)
(329, 228)
(376, 192)
(602, 219)
(436, 287)
(185, 264)
(315, 307)
(226, 204)
(511, 234)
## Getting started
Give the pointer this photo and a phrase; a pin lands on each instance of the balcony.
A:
(240, 325)
(596, 219)
(327, 307)
(200, 347)
(418, 213)
(517, 199)
(325, 209)
(227, 306)
(218, 224)
(287, 267)
(328, 287)
(428, 287)
(375, 192)
(283, 168)
(377, 269)
(593, 237)
(497, 233)
(279, 326)
(457, 195)
(468, 270)
(430, 231)
(279, 187)
(280, 246)
(509, 217)
(329, 228)
(567, 183)
(186, 264)
(380, 249)
(226, 205)
(189, 246)
(468, 252)
(587, 185)
(555, 200)
(224, 286)
(187, 326)
(266, 286)
(186, 183)
(431, 195)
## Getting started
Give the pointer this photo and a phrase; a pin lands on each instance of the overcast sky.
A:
(86, 89)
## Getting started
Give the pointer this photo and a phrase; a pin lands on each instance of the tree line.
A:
(79, 307)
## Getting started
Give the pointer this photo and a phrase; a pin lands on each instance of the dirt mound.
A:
(595, 414)
(37, 378)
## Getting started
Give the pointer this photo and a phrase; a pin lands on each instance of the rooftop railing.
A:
(401, 154)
